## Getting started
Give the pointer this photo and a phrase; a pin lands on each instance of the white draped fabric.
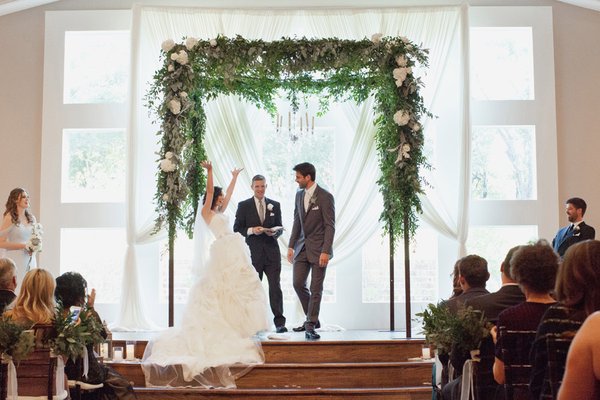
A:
(229, 138)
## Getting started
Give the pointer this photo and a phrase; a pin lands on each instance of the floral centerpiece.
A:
(34, 244)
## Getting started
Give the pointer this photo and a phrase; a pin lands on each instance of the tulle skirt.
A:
(216, 342)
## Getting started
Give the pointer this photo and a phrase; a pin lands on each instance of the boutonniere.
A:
(313, 200)
(270, 206)
(576, 230)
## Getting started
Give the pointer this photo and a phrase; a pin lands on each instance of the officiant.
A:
(254, 219)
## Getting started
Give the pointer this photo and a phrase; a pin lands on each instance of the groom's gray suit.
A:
(312, 234)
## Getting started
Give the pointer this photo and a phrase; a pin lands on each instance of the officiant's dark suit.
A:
(310, 245)
(264, 250)
(577, 231)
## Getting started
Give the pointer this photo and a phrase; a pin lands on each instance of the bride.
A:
(227, 306)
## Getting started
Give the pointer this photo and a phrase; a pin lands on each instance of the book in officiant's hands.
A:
(274, 229)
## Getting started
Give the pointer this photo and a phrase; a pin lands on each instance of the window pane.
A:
(96, 66)
(98, 255)
(493, 242)
(502, 63)
(423, 268)
(93, 165)
(503, 163)
(183, 269)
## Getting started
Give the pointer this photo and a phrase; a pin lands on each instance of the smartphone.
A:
(75, 310)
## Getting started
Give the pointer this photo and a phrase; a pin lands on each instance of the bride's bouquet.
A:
(34, 244)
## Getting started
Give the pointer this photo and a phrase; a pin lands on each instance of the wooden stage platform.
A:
(377, 365)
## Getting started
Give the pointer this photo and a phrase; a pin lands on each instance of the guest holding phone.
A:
(71, 292)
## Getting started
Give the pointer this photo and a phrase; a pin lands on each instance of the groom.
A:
(253, 218)
(310, 246)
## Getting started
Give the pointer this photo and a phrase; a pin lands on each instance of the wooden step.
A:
(317, 375)
(298, 351)
(404, 393)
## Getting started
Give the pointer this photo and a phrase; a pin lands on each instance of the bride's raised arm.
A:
(234, 174)
(210, 191)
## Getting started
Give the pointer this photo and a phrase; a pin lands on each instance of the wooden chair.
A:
(517, 367)
(557, 347)
(79, 389)
(483, 375)
(36, 375)
(3, 380)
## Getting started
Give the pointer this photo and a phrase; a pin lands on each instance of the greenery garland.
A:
(72, 336)
(197, 71)
(15, 340)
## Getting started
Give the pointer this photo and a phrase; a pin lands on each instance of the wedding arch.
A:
(196, 71)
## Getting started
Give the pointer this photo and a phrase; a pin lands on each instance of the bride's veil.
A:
(202, 239)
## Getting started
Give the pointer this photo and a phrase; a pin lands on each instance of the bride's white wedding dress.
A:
(226, 307)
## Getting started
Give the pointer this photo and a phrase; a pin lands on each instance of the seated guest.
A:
(534, 268)
(71, 291)
(35, 305)
(8, 282)
(582, 374)
(578, 296)
(472, 277)
(507, 296)
(491, 305)
(35, 301)
(456, 289)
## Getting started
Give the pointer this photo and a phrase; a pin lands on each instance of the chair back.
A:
(557, 347)
(483, 374)
(517, 367)
(3, 380)
(36, 374)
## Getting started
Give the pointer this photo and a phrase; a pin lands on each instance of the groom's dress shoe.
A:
(302, 328)
(311, 335)
(281, 329)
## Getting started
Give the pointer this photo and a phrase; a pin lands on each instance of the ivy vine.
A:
(196, 71)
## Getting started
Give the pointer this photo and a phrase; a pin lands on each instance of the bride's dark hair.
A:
(11, 206)
(216, 194)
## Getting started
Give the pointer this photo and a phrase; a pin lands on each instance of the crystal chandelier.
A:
(298, 124)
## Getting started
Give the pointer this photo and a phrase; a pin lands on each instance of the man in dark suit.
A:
(310, 246)
(254, 219)
(472, 277)
(508, 295)
(8, 282)
(577, 231)
(492, 305)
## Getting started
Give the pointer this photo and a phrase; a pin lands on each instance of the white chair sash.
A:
(467, 391)
(86, 362)
(11, 389)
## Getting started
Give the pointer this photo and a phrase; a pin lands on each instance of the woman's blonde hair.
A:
(35, 302)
